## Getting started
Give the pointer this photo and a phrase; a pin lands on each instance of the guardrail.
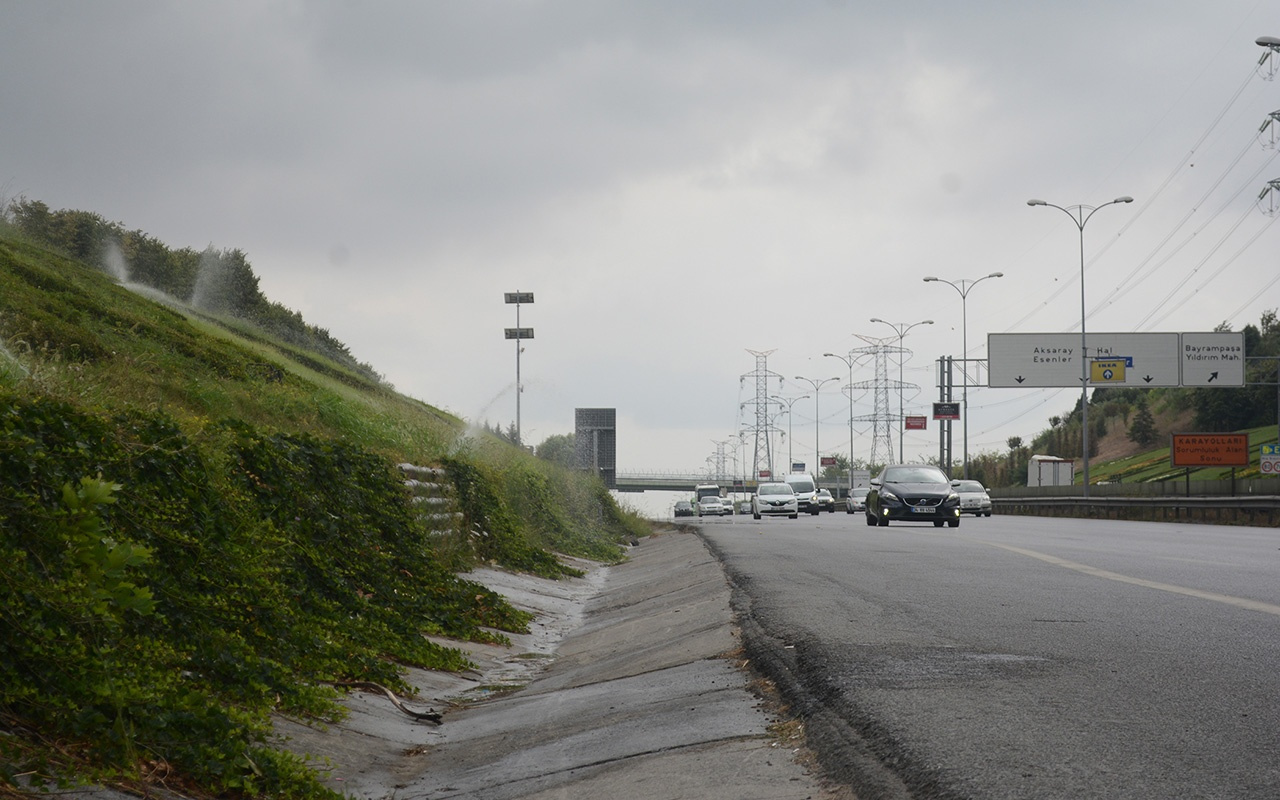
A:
(1241, 502)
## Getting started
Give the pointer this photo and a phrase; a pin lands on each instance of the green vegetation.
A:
(202, 526)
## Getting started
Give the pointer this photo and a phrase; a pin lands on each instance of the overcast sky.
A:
(677, 182)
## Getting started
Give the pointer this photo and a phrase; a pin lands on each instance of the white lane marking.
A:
(1239, 602)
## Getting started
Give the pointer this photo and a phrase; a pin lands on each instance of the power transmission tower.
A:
(1269, 198)
(763, 451)
(718, 461)
(881, 418)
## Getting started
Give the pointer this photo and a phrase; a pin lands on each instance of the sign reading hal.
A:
(1143, 360)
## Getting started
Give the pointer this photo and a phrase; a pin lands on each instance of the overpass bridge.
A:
(685, 481)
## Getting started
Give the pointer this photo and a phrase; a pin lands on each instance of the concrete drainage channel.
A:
(627, 685)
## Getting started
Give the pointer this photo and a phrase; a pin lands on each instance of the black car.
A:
(915, 492)
(684, 508)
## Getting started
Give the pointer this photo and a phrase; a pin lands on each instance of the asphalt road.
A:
(1021, 657)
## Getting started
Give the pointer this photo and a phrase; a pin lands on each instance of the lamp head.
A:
(930, 278)
(1125, 199)
(996, 275)
(1268, 41)
(876, 319)
(1037, 203)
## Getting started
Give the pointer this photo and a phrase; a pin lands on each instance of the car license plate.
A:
(918, 510)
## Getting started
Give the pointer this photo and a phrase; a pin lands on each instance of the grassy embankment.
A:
(202, 526)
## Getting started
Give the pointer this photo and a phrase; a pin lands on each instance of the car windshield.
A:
(776, 488)
(914, 475)
(824, 492)
(860, 492)
(969, 486)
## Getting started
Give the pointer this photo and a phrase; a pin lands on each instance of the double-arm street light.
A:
(1081, 215)
(901, 329)
(817, 385)
(964, 286)
(789, 402)
(848, 360)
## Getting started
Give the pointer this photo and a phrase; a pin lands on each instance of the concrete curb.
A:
(641, 697)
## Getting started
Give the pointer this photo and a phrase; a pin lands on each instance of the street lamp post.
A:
(817, 385)
(1079, 216)
(789, 402)
(848, 360)
(901, 329)
(964, 286)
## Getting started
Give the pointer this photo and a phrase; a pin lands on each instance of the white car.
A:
(711, 506)
(773, 499)
(856, 502)
(973, 498)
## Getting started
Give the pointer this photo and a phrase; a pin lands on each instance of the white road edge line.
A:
(1239, 602)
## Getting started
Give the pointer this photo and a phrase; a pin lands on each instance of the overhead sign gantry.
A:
(1143, 360)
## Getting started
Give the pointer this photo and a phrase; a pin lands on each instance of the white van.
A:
(806, 490)
(705, 490)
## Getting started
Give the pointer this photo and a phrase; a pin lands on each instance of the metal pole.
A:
(963, 287)
(951, 396)
(851, 426)
(817, 454)
(942, 424)
(902, 422)
(964, 376)
(1084, 372)
(817, 389)
(848, 360)
(1077, 215)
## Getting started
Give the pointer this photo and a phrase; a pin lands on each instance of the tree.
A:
(558, 449)
(1143, 428)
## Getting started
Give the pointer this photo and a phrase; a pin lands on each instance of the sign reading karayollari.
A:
(1209, 450)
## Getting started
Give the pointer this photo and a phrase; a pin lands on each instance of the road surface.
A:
(1022, 657)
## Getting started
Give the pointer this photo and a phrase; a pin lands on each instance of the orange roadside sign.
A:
(1209, 450)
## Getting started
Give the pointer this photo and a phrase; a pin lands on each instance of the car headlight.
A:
(885, 494)
(953, 496)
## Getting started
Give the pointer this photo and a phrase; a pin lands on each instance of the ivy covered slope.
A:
(202, 526)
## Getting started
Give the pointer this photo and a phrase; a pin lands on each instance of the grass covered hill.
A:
(202, 525)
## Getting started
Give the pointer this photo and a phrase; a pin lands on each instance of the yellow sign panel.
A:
(1107, 370)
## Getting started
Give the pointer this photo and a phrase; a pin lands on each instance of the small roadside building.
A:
(1050, 471)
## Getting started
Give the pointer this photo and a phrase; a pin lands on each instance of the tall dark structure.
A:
(596, 443)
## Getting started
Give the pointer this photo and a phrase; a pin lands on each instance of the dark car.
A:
(915, 492)
(684, 508)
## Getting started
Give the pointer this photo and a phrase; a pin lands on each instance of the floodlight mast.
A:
(518, 333)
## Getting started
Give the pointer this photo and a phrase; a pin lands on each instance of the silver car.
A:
(711, 506)
(973, 498)
(856, 502)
